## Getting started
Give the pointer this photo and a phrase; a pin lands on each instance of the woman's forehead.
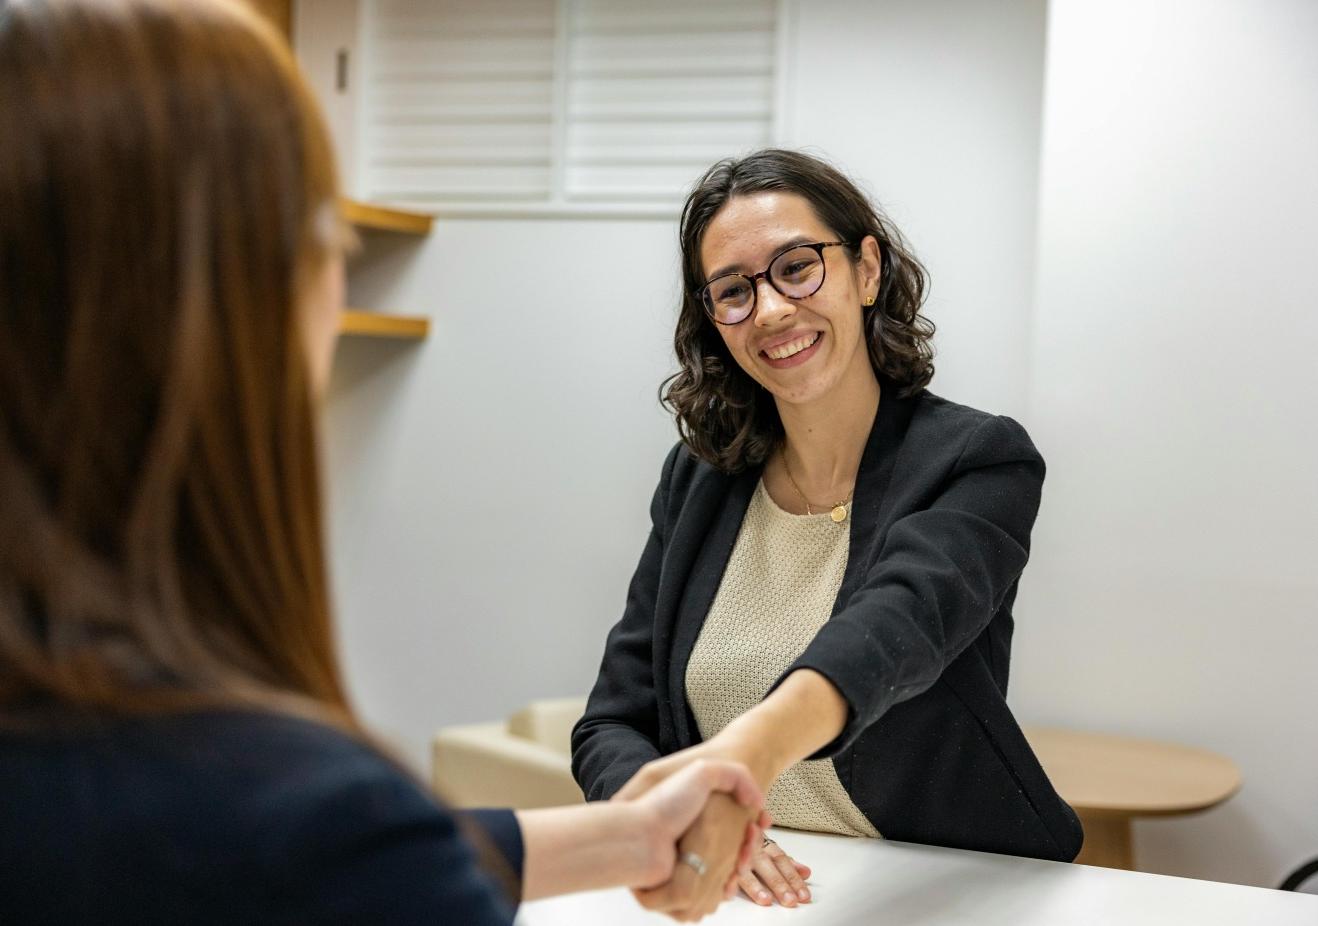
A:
(749, 230)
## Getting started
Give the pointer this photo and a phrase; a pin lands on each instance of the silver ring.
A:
(767, 842)
(696, 862)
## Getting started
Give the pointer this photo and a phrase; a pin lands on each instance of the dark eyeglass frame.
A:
(753, 281)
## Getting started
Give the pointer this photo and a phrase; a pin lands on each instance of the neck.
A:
(825, 439)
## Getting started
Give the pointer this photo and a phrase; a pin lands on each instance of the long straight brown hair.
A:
(167, 189)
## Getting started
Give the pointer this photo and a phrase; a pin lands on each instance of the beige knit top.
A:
(777, 591)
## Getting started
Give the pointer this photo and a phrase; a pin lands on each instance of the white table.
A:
(901, 884)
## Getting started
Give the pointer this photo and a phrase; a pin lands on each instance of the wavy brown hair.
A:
(724, 416)
(166, 190)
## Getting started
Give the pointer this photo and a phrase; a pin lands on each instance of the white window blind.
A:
(656, 92)
(561, 101)
(459, 100)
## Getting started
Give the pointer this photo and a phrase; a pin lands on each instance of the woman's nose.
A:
(770, 305)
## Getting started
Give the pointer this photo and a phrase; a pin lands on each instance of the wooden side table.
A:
(1110, 780)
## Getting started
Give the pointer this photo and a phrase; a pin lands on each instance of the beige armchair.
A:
(523, 762)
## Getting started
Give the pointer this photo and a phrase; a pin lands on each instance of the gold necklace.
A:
(839, 512)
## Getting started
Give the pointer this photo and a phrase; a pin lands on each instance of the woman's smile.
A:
(792, 350)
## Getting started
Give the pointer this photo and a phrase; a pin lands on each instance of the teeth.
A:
(783, 351)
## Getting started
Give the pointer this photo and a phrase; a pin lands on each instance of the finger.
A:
(767, 870)
(718, 890)
(730, 883)
(743, 867)
(707, 904)
(753, 838)
(668, 907)
(705, 900)
(678, 894)
(755, 891)
(659, 899)
(793, 872)
(654, 898)
(787, 868)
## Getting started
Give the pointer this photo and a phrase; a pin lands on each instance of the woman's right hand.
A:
(680, 803)
(722, 838)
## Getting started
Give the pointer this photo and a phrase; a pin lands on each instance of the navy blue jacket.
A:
(918, 643)
(229, 817)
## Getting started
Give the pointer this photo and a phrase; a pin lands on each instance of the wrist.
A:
(752, 740)
(641, 844)
(803, 714)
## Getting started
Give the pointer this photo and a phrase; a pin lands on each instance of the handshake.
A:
(704, 818)
(692, 823)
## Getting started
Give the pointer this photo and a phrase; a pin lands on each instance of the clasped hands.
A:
(724, 837)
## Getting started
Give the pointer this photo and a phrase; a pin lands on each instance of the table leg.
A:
(1107, 843)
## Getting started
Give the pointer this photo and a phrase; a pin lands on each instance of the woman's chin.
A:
(809, 392)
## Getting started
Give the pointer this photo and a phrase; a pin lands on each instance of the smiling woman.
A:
(720, 411)
(826, 593)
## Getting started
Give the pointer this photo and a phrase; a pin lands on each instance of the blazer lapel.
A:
(727, 503)
(870, 503)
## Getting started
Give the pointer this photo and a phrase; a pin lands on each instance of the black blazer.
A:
(918, 643)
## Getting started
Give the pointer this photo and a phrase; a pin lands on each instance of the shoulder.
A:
(289, 761)
(253, 816)
(932, 412)
(347, 828)
(965, 435)
(684, 473)
(309, 791)
(291, 789)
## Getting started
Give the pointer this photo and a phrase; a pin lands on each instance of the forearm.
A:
(585, 847)
(606, 756)
(803, 714)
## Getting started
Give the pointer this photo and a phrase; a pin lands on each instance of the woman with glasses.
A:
(176, 743)
(826, 593)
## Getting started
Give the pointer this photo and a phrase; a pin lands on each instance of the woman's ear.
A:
(870, 268)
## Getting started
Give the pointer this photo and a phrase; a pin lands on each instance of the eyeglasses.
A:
(796, 273)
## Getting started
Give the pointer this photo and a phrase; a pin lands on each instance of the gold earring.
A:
(869, 301)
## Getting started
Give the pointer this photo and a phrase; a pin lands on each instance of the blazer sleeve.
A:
(619, 731)
(939, 577)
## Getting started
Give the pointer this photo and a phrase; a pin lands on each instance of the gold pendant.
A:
(839, 514)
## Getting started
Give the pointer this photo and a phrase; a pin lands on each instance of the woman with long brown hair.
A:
(826, 592)
(176, 744)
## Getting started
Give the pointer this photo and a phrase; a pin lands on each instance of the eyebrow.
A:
(785, 246)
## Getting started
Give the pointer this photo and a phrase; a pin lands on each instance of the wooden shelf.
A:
(381, 325)
(384, 218)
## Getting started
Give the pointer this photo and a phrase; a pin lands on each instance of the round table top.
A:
(1098, 773)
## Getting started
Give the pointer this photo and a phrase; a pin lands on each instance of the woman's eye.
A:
(797, 268)
(734, 293)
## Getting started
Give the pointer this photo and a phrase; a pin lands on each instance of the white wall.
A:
(936, 106)
(1173, 590)
(491, 485)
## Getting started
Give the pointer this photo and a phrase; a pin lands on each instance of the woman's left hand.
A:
(775, 875)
